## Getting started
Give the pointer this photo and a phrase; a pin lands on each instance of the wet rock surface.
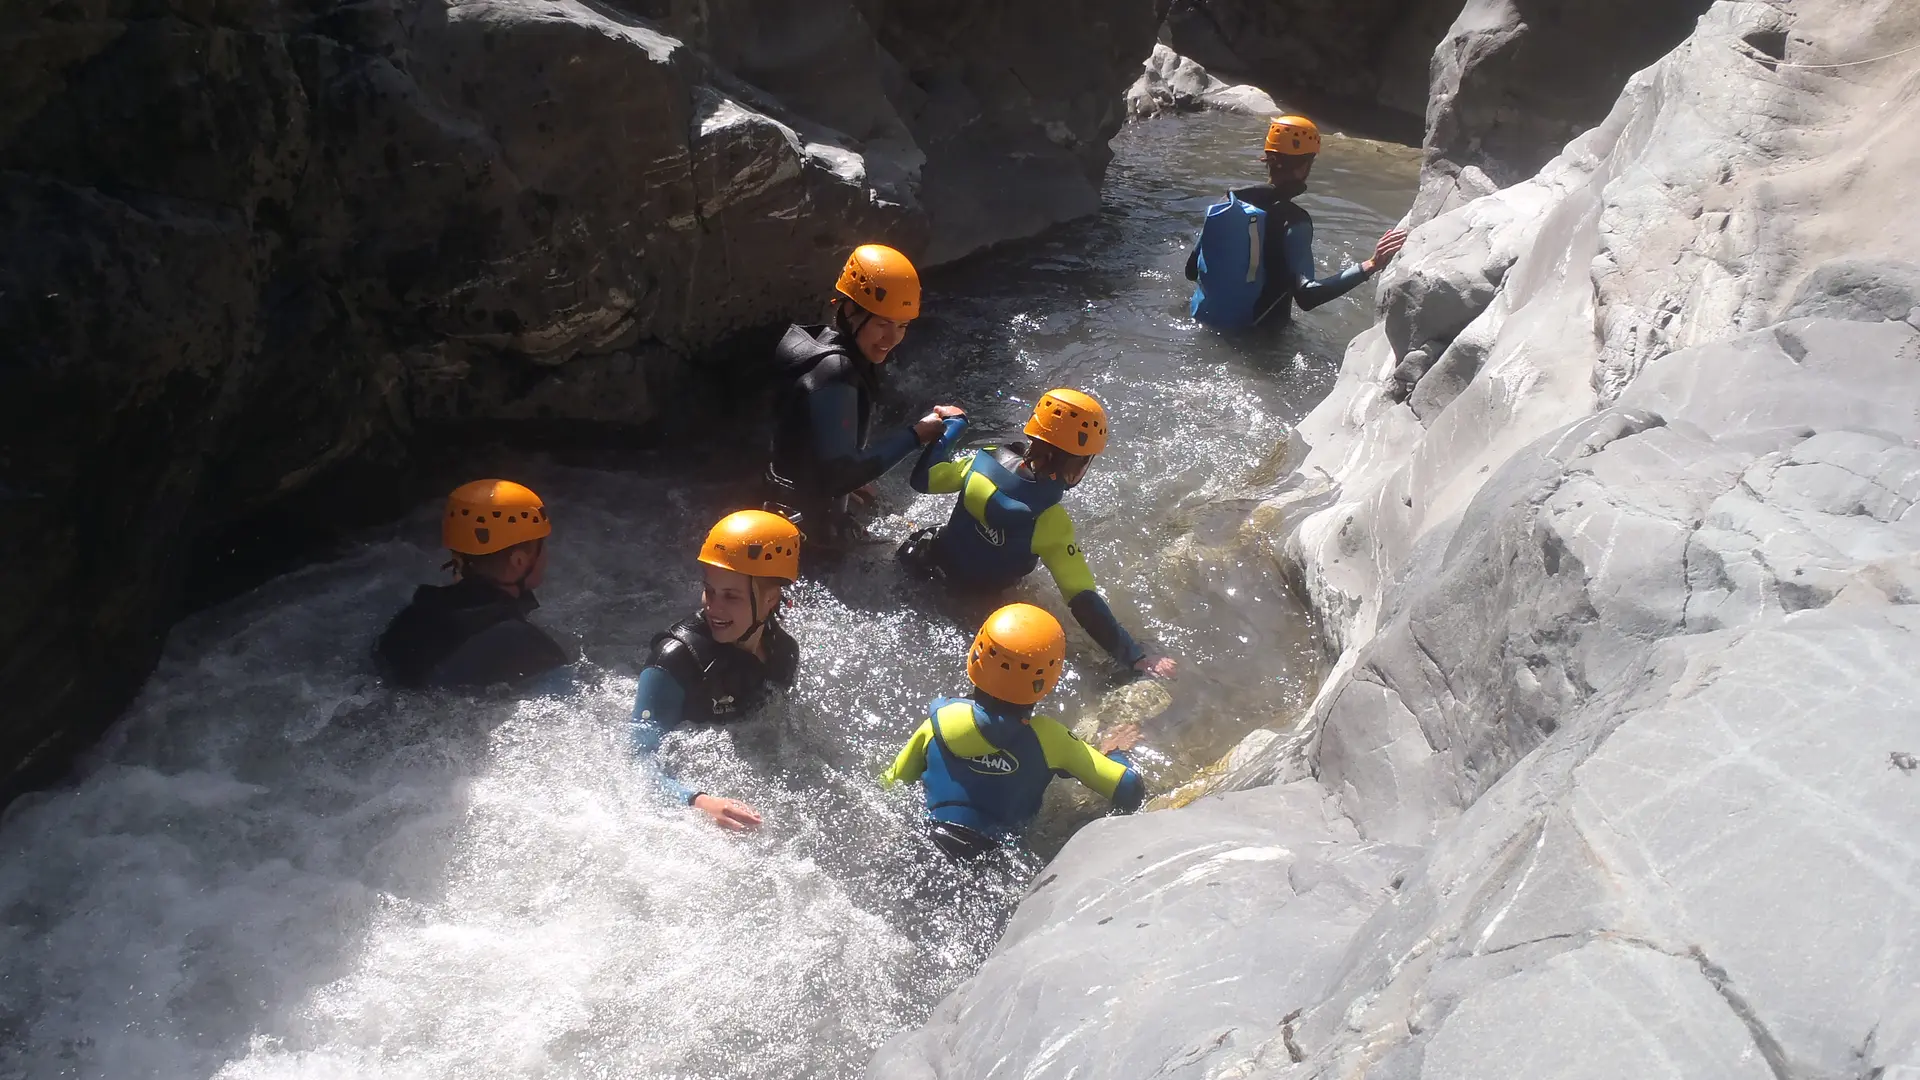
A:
(248, 251)
(1170, 82)
(1612, 517)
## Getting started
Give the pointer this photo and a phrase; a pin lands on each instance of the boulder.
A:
(1170, 82)
(249, 251)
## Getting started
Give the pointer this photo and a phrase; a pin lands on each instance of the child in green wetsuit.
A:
(1008, 519)
(986, 759)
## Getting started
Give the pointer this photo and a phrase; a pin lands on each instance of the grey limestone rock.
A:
(1170, 82)
(1159, 944)
(1514, 80)
(1625, 599)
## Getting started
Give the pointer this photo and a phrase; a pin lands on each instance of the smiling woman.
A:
(716, 666)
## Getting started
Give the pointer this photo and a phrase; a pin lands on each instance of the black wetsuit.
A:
(1289, 231)
(689, 677)
(820, 450)
(470, 633)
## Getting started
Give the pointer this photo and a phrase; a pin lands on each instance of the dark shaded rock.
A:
(994, 117)
(1371, 54)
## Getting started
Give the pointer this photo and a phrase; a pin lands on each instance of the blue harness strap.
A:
(1232, 265)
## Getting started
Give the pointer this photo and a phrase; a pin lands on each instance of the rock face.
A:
(1170, 82)
(1367, 51)
(1513, 80)
(247, 249)
(1613, 518)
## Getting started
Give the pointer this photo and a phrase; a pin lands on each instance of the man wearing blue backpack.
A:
(1254, 259)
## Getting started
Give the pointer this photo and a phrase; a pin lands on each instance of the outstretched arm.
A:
(1054, 542)
(656, 710)
(912, 760)
(1296, 247)
(1111, 775)
(936, 473)
(841, 466)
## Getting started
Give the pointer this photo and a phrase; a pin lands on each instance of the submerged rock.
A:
(1627, 617)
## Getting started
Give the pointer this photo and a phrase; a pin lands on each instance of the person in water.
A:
(1276, 255)
(822, 453)
(1008, 518)
(985, 759)
(715, 665)
(475, 632)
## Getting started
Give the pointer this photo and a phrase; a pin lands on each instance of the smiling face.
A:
(730, 601)
(1288, 173)
(877, 336)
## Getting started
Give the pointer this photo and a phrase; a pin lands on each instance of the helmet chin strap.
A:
(753, 609)
(853, 331)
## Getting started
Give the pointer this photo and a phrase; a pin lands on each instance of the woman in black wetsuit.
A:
(716, 664)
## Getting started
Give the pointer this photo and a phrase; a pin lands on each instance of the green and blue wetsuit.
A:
(986, 764)
(1004, 525)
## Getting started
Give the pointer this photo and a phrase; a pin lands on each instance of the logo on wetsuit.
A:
(998, 763)
(722, 705)
(996, 537)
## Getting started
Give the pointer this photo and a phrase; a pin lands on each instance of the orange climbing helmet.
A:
(491, 515)
(1018, 654)
(755, 543)
(1292, 135)
(1069, 420)
(883, 281)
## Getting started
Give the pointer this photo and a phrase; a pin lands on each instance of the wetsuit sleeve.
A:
(936, 473)
(1110, 775)
(509, 651)
(912, 761)
(1053, 541)
(656, 710)
(841, 466)
(1296, 246)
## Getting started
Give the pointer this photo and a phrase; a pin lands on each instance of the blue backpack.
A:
(1233, 269)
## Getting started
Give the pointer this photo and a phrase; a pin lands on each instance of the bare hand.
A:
(1121, 738)
(730, 814)
(1385, 250)
(931, 425)
(1160, 667)
(865, 494)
